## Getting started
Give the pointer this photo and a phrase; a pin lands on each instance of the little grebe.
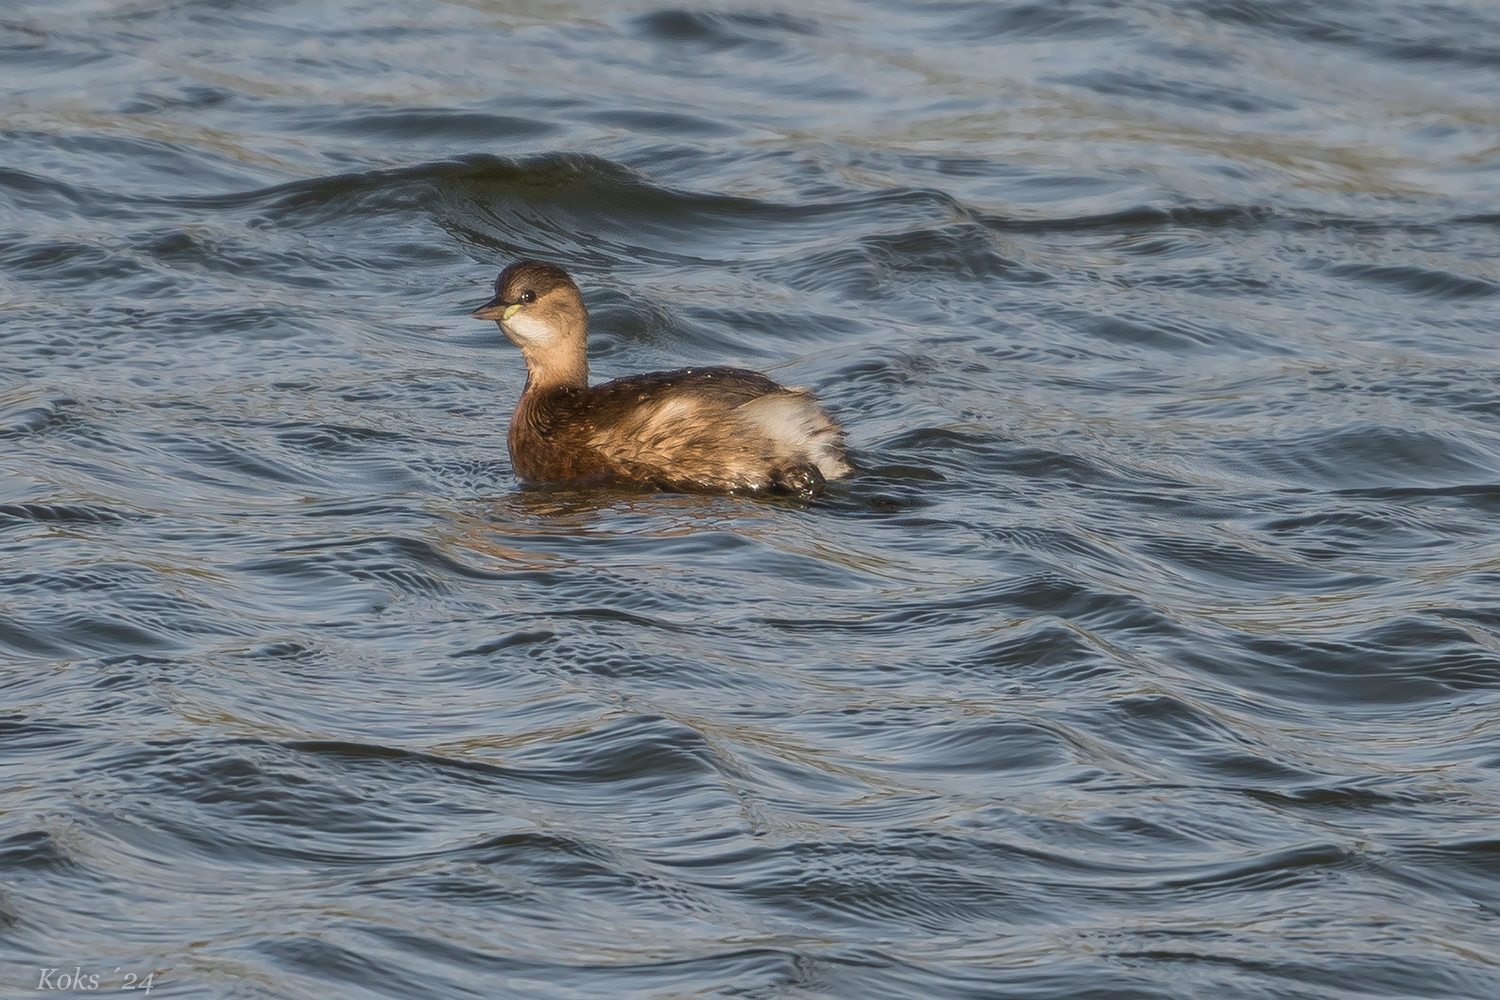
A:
(692, 429)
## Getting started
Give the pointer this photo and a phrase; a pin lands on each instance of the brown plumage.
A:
(694, 429)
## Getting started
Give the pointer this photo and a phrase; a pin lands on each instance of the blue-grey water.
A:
(1153, 653)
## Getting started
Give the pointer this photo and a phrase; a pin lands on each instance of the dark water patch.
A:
(37, 849)
(609, 658)
(1150, 244)
(406, 124)
(1396, 973)
(253, 801)
(1030, 462)
(1287, 868)
(466, 478)
(193, 98)
(114, 175)
(1031, 21)
(564, 862)
(1443, 33)
(96, 576)
(627, 618)
(72, 634)
(29, 192)
(575, 207)
(576, 181)
(752, 971)
(225, 252)
(1370, 456)
(571, 208)
(664, 123)
(1205, 282)
(1200, 740)
(62, 514)
(864, 884)
(67, 264)
(640, 751)
(1484, 617)
(1114, 83)
(324, 963)
(1040, 593)
(514, 640)
(26, 415)
(758, 32)
(330, 439)
(1412, 280)
(1243, 570)
(26, 44)
(1157, 334)
(716, 329)
(1387, 533)
(1475, 863)
(103, 608)
(1050, 542)
(1348, 794)
(242, 781)
(1480, 497)
(249, 469)
(1138, 219)
(186, 326)
(989, 748)
(1044, 650)
(284, 650)
(22, 737)
(960, 251)
(1408, 660)
(411, 565)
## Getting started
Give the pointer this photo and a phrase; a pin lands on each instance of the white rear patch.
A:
(795, 422)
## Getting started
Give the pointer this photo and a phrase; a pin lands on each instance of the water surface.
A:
(1154, 653)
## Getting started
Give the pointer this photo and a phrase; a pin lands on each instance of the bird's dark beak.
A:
(494, 309)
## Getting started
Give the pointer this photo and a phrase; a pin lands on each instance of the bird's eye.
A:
(528, 296)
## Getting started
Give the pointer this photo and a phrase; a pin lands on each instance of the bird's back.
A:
(692, 429)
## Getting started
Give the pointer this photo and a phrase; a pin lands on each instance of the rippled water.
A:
(1155, 653)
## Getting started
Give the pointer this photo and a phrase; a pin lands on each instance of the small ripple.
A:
(28, 412)
(642, 751)
(1412, 280)
(1197, 739)
(756, 32)
(22, 737)
(1245, 570)
(62, 264)
(662, 122)
(58, 513)
(1405, 660)
(1366, 455)
(1029, 22)
(1140, 84)
(1142, 218)
(1458, 36)
(948, 747)
(37, 849)
(1046, 650)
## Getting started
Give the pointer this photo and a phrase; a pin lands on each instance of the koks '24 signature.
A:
(56, 979)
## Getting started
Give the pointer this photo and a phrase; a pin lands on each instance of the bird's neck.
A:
(557, 368)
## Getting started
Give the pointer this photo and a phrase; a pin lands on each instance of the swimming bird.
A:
(690, 430)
